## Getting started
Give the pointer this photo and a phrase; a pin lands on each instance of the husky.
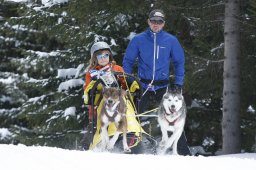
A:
(171, 117)
(113, 110)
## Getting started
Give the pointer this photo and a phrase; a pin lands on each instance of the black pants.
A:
(156, 97)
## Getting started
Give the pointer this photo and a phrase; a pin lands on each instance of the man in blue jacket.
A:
(155, 50)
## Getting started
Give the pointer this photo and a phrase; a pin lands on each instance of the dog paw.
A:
(110, 147)
(175, 153)
(161, 151)
(127, 150)
(162, 144)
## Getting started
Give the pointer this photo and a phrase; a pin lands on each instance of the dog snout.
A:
(173, 106)
(110, 101)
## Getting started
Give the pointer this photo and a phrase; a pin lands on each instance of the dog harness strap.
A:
(112, 118)
(170, 123)
(173, 122)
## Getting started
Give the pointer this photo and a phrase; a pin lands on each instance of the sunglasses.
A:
(157, 22)
(102, 56)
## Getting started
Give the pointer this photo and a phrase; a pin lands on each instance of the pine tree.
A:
(231, 90)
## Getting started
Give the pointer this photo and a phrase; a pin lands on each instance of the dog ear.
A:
(170, 89)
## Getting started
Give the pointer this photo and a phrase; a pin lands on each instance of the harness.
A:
(172, 123)
(112, 112)
(150, 85)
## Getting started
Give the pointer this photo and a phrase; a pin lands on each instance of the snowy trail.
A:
(46, 158)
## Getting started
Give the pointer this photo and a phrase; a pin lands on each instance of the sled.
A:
(138, 140)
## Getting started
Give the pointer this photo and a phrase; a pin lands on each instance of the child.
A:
(101, 60)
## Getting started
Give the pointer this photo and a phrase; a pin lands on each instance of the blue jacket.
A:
(155, 52)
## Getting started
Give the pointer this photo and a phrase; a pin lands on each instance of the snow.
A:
(70, 84)
(67, 73)
(132, 34)
(8, 111)
(70, 111)
(4, 132)
(22, 157)
(4, 98)
(113, 42)
(221, 46)
(18, 0)
(9, 80)
(44, 54)
(70, 73)
(34, 100)
(208, 141)
(46, 3)
(251, 109)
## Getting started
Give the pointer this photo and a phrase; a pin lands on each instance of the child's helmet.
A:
(99, 46)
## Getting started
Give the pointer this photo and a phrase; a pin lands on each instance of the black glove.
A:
(94, 78)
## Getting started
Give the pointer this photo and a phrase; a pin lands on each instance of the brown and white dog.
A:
(171, 117)
(113, 110)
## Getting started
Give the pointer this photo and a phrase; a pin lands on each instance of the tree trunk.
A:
(231, 90)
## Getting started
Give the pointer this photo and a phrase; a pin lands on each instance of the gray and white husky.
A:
(171, 117)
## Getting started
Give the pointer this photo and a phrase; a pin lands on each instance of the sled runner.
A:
(137, 139)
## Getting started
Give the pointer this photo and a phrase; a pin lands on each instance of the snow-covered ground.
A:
(21, 157)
